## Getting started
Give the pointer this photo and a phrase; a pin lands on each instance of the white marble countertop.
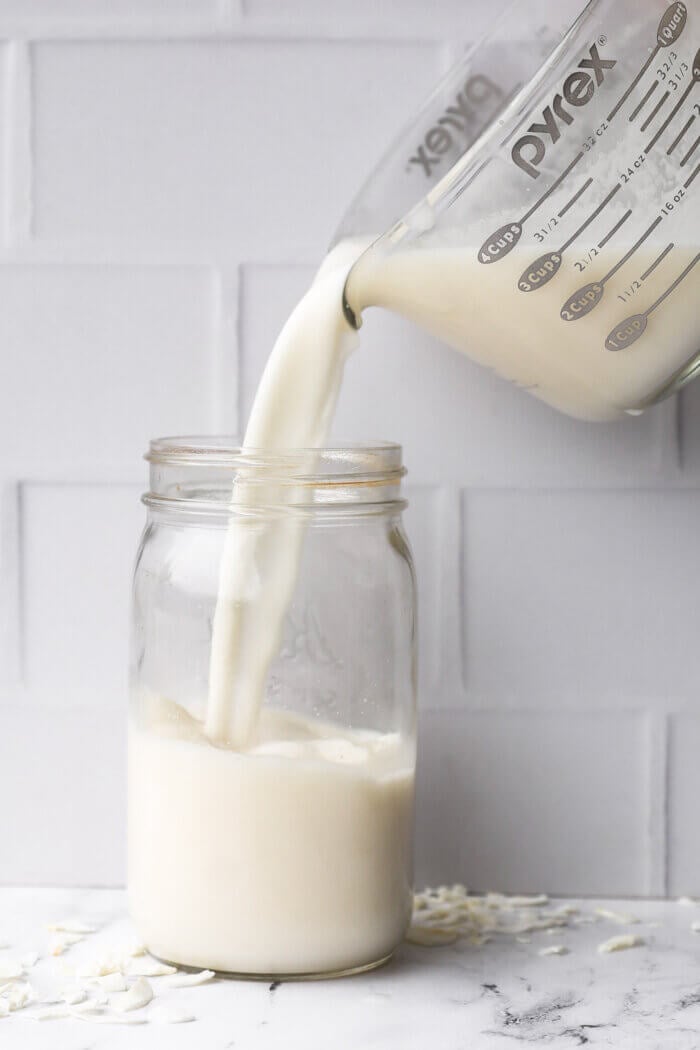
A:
(460, 997)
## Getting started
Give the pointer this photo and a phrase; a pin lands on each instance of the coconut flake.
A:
(100, 967)
(138, 996)
(50, 1013)
(112, 982)
(619, 944)
(187, 980)
(71, 926)
(60, 941)
(169, 1015)
(147, 967)
(622, 918)
(4, 1008)
(554, 949)
(19, 996)
(428, 937)
(74, 996)
(687, 902)
(87, 1006)
(29, 960)
(536, 901)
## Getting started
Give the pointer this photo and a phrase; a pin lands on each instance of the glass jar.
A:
(285, 852)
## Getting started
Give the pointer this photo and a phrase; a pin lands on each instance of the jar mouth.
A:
(378, 462)
(216, 475)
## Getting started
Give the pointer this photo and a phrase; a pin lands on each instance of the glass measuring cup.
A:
(553, 230)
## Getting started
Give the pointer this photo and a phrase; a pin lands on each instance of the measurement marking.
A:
(634, 83)
(552, 188)
(680, 135)
(615, 228)
(673, 287)
(590, 218)
(636, 111)
(690, 152)
(575, 197)
(688, 182)
(670, 117)
(654, 111)
(628, 255)
(627, 332)
(660, 259)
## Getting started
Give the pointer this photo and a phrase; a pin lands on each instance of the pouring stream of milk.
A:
(293, 409)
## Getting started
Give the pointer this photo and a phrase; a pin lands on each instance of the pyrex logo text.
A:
(577, 90)
(460, 118)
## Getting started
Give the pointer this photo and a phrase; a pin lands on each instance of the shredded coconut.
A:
(50, 1013)
(75, 996)
(622, 918)
(453, 912)
(29, 960)
(71, 926)
(87, 1006)
(139, 995)
(187, 980)
(554, 949)
(100, 967)
(19, 996)
(145, 966)
(431, 937)
(60, 941)
(619, 944)
(112, 982)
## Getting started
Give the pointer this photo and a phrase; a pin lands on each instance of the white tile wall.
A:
(581, 597)
(170, 173)
(177, 133)
(86, 388)
(520, 801)
(78, 545)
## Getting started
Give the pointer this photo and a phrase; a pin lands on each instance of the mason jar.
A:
(272, 721)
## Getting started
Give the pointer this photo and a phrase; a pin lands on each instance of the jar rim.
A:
(350, 463)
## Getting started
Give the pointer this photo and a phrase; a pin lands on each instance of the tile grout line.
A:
(11, 637)
(448, 672)
(225, 365)
(657, 880)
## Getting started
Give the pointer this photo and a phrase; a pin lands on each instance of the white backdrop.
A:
(171, 172)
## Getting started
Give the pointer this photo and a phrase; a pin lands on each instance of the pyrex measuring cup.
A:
(554, 226)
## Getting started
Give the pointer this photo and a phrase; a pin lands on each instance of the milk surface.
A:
(291, 857)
